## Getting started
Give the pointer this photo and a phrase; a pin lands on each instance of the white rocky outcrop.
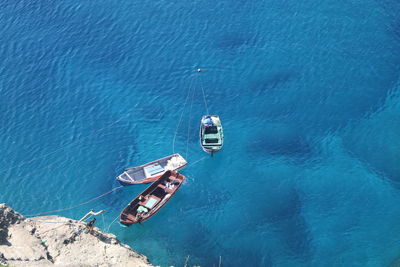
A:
(55, 240)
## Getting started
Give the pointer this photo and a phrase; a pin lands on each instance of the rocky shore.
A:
(55, 240)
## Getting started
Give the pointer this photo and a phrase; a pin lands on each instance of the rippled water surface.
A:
(308, 93)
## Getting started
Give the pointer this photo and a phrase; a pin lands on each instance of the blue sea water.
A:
(308, 93)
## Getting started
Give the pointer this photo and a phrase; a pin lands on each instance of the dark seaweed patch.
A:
(295, 146)
(278, 142)
(395, 28)
(273, 81)
(287, 218)
(234, 41)
(153, 113)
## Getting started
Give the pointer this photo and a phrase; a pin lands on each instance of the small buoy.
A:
(201, 70)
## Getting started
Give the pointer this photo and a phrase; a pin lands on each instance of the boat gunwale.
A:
(210, 148)
(152, 178)
(158, 206)
(155, 161)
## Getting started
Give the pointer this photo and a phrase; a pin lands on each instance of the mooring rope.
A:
(186, 261)
(49, 221)
(190, 117)
(180, 118)
(197, 161)
(75, 206)
(108, 228)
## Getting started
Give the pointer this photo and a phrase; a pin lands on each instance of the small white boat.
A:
(211, 133)
(151, 171)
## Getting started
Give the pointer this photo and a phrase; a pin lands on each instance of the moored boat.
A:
(151, 171)
(151, 200)
(211, 133)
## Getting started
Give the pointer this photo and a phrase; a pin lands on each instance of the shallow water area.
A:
(308, 94)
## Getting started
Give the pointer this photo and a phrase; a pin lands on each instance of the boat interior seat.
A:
(212, 141)
(212, 135)
(130, 217)
(166, 189)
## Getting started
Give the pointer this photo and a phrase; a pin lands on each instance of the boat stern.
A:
(176, 163)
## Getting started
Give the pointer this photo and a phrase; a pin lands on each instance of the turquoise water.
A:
(308, 93)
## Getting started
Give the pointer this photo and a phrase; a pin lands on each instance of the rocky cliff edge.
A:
(55, 240)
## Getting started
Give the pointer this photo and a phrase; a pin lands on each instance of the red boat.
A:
(152, 199)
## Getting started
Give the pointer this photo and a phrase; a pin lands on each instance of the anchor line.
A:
(190, 117)
(108, 228)
(191, 85)
(75, 206)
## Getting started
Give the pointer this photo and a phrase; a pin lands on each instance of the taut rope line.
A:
(108, 228)
(180, 119)
(190, 116)
(197, 161)
(76, 206)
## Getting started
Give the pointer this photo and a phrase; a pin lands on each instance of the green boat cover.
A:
(142, 209)
(150, 204)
